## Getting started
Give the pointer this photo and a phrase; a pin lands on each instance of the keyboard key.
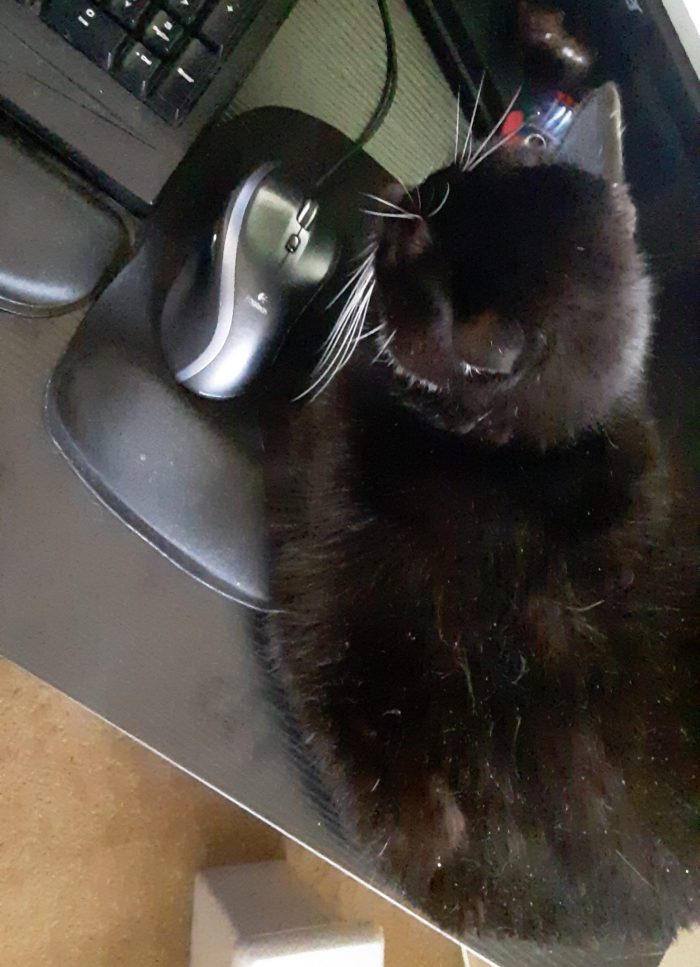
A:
(86, 28)
(186, 11)
(186, 79)
(224, 23)
(137, 70)
(162, 33)
(127, 12)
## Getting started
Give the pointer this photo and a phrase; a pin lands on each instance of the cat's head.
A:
(520, 308)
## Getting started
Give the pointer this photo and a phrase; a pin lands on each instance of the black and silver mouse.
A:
(228, 309)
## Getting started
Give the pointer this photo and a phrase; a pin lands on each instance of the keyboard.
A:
(165, 55)
(122, 87)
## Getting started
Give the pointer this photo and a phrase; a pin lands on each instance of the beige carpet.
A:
(100, 840)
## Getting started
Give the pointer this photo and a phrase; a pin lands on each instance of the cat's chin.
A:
(408, 377)
(435, 404)
(482, 374)
(477, 376)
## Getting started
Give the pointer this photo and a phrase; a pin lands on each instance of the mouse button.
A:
(271, 219)
(307, 213)
(313, 258)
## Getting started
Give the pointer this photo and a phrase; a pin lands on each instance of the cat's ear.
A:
(594, 140)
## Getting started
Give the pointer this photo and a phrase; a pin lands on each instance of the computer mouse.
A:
(226, 314)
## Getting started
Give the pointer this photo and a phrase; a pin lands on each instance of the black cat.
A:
(487, 623)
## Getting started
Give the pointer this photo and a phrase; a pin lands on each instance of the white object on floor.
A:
(261, 915)
(685, 951)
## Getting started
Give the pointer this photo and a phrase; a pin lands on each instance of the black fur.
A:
(487, 622)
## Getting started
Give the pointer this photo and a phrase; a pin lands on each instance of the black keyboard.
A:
(121, 88)
(165, 52)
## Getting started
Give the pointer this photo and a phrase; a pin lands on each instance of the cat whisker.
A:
(353, 276)
(345, 317)
(372, 332)
(334, 352)
(383, 348)
(459, 112)
(497, 126)
(384, 201)
(588, 607)
(383, 849)
(347, 331)
(516, 733)
(494, 147)
(468, 427)
(634, 869)
(470, 131)
(352, 339)
(408, 192)
(340, 358)
(361, 256)
(338, 331)
(442, 203)
(366, 211)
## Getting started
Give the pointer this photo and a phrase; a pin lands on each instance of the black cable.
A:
(385, 101)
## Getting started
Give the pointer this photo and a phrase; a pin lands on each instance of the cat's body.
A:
(484, 595)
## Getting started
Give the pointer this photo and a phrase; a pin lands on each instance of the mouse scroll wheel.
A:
(307, 213)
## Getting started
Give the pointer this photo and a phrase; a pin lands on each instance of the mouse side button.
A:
(307, 213)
